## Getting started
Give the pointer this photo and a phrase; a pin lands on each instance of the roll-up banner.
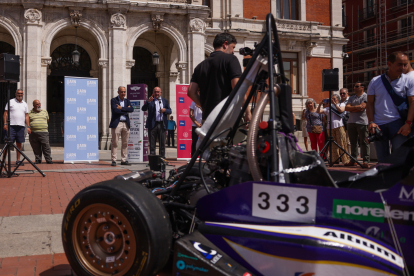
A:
(81, 120)
(184, 123)
(138, 135)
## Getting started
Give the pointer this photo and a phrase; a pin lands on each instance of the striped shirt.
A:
(38, 120)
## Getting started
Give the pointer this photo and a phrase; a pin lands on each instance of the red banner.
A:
(184, 123)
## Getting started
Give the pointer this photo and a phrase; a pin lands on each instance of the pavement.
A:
(32, 207)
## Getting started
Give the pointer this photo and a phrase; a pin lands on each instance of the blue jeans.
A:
(389, 130)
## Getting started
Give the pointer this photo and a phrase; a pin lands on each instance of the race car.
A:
(254, 205)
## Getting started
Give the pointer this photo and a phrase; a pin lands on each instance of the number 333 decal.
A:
(284, 203)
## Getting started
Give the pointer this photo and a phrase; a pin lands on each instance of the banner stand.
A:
(184, 123)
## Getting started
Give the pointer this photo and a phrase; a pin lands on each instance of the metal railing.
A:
(401, 3)
(367, 13)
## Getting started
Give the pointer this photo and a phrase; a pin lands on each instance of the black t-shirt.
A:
(213, 77)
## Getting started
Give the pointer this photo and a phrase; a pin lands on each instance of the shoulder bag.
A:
(400, 102)
(315, 129)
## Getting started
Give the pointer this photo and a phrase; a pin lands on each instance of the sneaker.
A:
(126, 163)
(113, 163)
(49, 162)
(365, 165)
(349, 164)
(19, 163)
(38, 162)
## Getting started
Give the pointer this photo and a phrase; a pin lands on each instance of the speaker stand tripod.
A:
(9, 144)
(332, 141)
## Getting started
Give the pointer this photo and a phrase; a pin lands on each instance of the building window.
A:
(370, 37)
(290, 65)
(343, 16)
(371, 73)
(406, 27)
(287, 9)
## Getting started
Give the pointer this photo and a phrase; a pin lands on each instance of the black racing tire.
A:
(116, 227)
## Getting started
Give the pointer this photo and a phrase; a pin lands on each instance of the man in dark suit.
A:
(119, 125)
(157, 122)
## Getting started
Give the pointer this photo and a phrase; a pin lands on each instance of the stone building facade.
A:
(116, 39)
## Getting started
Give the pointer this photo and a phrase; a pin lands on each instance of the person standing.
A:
(343, 93)
(314, 126)
(19, 115)
(358, 125)
(119, 125)
(172, 126)
(158, 108)
(196, 115)
(216, 76)
(39, 137)
(337, 127)
(304, 131)
(382, 113)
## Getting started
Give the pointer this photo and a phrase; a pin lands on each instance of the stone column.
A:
(46, 61)
(182, 71)
(32, 41)
(196, 39)
(105, 109)
(117, 54)
(173, 102)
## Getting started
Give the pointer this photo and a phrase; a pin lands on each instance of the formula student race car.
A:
(255, 205)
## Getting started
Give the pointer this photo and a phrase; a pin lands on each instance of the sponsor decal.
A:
(71, 119)
(181, 99)
(71, 100)
(181, 265)
(182, 123)
(81, 128)
(91, 137)
(406, 194)
(91, 119)
(130, 145)
(207, 252)
(372, 211)
(185, 111)
(70, 137)
(184, 88)
(91, 101)
(182, 146)
(185, 134)
(81, 146)
(138, 148)
(179, 255)
(81, 110)
(135, 88)
(81, 91)
(304, 273)
(91, 155)
(70, 155)
(70, 82)
(91, 83)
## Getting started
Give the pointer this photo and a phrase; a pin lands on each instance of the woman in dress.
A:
(314, 125)
(304, 130)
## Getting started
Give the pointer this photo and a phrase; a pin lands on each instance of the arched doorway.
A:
(61, 66)
(143, 71)
(7, 49)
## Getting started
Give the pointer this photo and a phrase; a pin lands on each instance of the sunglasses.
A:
(357, 86)
(342, 93)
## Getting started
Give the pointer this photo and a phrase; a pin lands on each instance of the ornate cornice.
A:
(181, 66)
(197, 25)
(130, 64)
(173, 74)
(75, 16)
(157, 19)
(294, 26)
(309, 47)
(291, 44)
(103, 63)
(33, 16)
(46, 61)
(118, 20)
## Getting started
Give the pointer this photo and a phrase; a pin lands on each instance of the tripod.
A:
(9, 144)
(332, 141)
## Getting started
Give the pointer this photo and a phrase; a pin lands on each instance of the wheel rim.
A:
(104, 240)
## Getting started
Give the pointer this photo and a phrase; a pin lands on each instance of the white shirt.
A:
(18, 111)
(385, 110)
(410, 74)
(158, 106)
(122, 104)
(336, 120)
(198, 114)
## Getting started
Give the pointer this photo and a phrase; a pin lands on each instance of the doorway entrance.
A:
(61, 66)
(143, 71)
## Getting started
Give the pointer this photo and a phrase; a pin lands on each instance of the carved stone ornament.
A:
(291, 44)
(309, 47)
(294, 26)
(197, 25)
(181, 66)
(33, 15)
(157, 19)
(173, 74)
(103, 63)
(130, 64)
(75, 17)
(118, 20)
(159, 74)
(46, 61)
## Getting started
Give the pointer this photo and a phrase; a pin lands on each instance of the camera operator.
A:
(337, 128)
(382, 113)
(216, 76)
(358, 124)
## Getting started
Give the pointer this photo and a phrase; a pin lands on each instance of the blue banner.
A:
(81, 120)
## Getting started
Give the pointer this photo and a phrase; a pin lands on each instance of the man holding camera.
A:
(358, 124)
(383, 114)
